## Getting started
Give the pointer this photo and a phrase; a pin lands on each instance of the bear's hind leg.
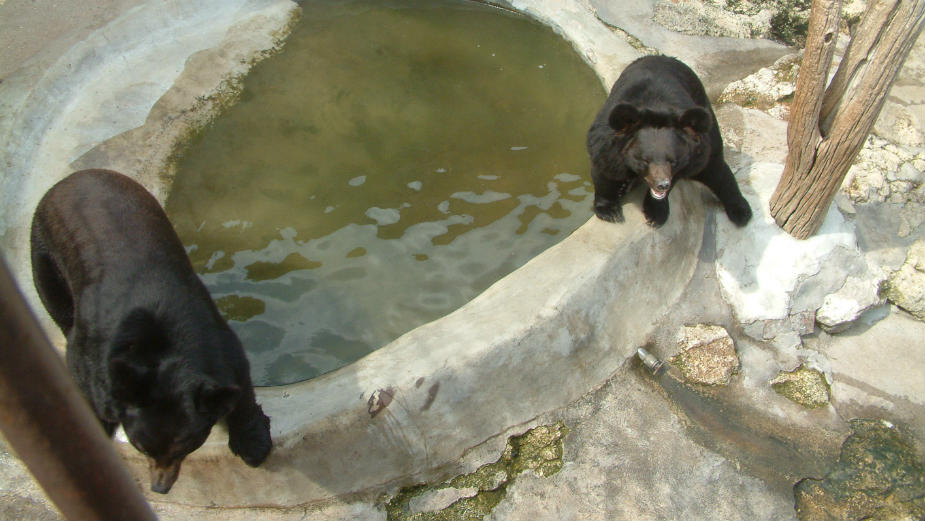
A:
(720, 180)
(51, 286)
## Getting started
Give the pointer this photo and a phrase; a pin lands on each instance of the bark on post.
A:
(828, 127)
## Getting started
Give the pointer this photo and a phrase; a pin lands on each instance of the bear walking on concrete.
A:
(657, 125)
(145, 342)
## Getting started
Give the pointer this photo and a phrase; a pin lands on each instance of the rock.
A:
(909, 173)
(906, 286)
(707, 355)
(474, 495)
(875, 366)
(717, 58)
(902, 118)
(884, 171)
(707, 19)
(767, 89)
(761, 269)
(844, 306)
(804, 386)
(781, 333)
(879, 475)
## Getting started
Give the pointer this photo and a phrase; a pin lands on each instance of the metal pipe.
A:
(50, 426)
(651, 362)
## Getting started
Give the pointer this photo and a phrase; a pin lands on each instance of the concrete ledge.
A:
(533, 342)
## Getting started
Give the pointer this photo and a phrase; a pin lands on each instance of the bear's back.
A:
(98, 219)
(659, 83)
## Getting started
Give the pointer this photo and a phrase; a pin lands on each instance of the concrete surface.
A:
(552, 344)
(102, 78)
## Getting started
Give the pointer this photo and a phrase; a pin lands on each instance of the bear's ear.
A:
(695, 121)
(214, 400)
(624, 118)
(134, 355)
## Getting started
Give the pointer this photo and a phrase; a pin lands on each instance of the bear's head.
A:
(661, 145)
(165, 400)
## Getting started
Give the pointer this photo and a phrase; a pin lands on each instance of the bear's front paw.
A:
(252, 442)
(610, 212)
(656, 212)
(739, 213)
(656, 222)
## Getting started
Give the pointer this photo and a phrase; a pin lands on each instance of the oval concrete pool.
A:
(533, 341)
(388, 165)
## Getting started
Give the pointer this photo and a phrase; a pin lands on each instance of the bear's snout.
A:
(658, 177)
(163, 476)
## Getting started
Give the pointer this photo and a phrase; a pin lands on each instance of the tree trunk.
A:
(828, 128)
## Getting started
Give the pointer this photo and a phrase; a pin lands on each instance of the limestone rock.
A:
(707, 355)
(804, 386)
(769, 89)
(844, 306)
(709, 19)
(902, 118)
(886, 172)
(761, 269)
(906, 286)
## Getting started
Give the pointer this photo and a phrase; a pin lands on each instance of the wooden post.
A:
(50, 425)
(828, 127)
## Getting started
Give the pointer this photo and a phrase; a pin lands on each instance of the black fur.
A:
(145, 342)
(657, 125)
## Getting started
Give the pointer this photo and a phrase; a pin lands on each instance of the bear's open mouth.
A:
(658, 194)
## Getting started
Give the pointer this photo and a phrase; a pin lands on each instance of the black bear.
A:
(145, 342)
(658, 125)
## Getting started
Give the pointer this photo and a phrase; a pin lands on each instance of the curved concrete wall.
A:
(533, 342)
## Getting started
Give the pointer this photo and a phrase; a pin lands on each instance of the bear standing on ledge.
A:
(657, 125)
(145, 342)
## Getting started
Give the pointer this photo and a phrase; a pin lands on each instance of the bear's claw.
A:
(609, 213)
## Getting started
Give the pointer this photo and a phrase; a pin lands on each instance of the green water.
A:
(392, 162)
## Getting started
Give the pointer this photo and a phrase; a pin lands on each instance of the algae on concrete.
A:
(804, 386)
(197, 118)
(540, 449)
(879, 475)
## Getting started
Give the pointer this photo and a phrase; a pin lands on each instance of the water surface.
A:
(392, 162)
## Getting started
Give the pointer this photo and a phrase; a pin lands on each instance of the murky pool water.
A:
(392, 162)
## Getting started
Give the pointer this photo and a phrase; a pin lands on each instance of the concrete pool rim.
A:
(407, 412)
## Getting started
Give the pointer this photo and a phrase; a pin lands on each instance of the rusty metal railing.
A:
(50, 426)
